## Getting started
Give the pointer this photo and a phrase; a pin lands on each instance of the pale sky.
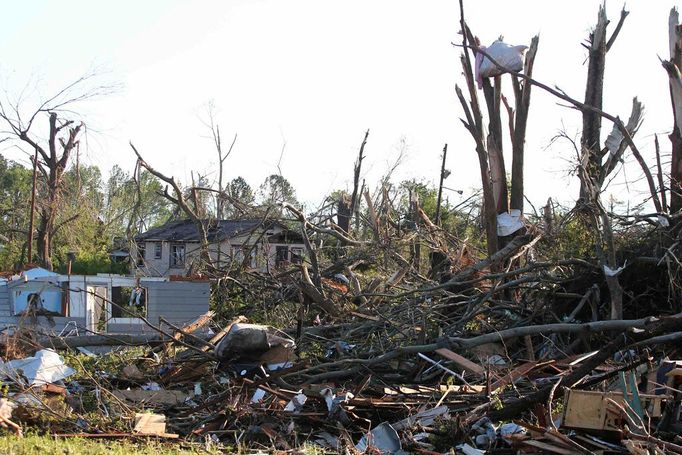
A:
(315, 74)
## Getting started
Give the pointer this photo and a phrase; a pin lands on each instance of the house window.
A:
(157, 250)
(141, 250)
(296, 255)
(177, 255)
(128, 302)
(281, 256)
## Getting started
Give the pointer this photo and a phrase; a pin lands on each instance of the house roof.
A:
(186, 230)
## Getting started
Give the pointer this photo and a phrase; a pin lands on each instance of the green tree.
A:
(275, 190)
(15, 197)
(240, 196)
(128, 209)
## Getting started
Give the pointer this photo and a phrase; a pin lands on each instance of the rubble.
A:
(625, 398)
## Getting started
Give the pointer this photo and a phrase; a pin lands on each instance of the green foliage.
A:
(91, 214)
(240, 190)
(128, 210)
(15, 197)
(275, 190)
(574, 240)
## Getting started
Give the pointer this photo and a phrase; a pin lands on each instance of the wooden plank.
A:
(549, 447)
(146, 423)
(564, 440)
(587, 409)
(513, 376)
(462, 362)
(424, 418)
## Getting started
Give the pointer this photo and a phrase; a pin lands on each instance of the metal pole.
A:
(33, 206)
(440, 187)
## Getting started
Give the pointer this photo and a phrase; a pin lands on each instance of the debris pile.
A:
(254, 386)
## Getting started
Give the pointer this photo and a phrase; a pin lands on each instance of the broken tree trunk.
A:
(518, 134)
(493, 98)
(591, 152)
(474, 124)
(673, 67)
(594, 88)
(355, 197)
(443, 176)
(344, 212)
(52, 165)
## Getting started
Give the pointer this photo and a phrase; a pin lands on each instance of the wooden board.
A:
(513, 376)
(462, 362)
(550, 447)
(589, 409)
(146, 423)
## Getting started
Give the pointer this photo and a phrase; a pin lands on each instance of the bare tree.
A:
(222, 156)
(347, 205)
(489, 146)
(179, 199)
(54, 153)
(673, 68)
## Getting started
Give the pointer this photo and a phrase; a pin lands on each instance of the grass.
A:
(43, 445)
(34, 444)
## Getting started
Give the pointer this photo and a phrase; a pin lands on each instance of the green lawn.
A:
(48, 445)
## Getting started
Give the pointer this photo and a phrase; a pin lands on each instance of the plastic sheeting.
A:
(45, 367)
(508, 223)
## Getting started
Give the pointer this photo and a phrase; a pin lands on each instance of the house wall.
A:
(221, 254)
(7, 317)
(178, 302)
(5, 309)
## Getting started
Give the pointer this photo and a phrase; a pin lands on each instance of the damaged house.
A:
(174, 248)
(104, 303)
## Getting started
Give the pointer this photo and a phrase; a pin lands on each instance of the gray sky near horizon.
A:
(310, 76)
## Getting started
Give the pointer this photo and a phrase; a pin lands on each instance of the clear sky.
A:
(312, 75)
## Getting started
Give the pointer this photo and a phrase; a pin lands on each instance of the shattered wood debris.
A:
(469, 364)
(473, 363)
(263, 388)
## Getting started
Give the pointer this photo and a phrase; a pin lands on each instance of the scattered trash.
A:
(508, 223)
(44, 367)
(339, 348)
(254, 343)
(296, 403)
(153, 386)
(508, 56)
(382, 439)
(258, 396)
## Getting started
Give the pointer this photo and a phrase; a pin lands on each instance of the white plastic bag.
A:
(510, 57)
(508, 223)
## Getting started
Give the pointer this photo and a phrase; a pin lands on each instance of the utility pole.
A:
(33, 206)
(440, 187)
